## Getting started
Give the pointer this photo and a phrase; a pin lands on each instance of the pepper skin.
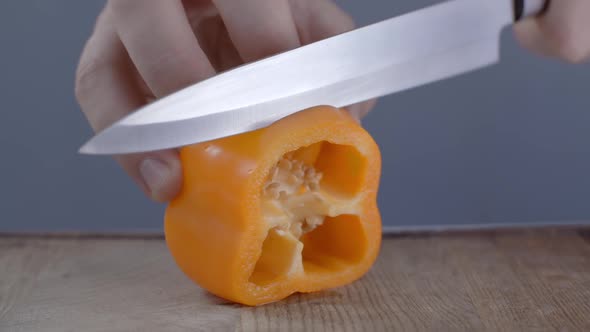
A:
(288, 208)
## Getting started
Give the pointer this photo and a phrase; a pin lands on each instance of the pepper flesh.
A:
(284, 209)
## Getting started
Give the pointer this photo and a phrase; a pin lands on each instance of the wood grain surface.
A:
(495, 281)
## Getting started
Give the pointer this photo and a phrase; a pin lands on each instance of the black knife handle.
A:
(526, 8)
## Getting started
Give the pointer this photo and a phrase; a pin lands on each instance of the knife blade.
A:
(434, 43)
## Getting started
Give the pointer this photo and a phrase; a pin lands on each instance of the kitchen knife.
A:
(424, 46)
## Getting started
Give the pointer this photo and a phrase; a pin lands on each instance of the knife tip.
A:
(90, 148)
(85, 149)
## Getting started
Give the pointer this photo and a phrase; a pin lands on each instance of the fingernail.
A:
(155, 173)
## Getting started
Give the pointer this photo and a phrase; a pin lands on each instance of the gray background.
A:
(502, 145)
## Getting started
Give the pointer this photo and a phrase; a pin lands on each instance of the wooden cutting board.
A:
(497, 280)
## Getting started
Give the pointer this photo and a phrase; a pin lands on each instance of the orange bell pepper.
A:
(284, 209)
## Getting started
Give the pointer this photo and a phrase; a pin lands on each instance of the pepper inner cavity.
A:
(294, 202)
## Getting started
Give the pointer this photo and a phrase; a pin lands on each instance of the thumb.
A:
(561, 32)
(159, 174)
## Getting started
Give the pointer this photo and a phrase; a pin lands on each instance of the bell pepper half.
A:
(288, 208)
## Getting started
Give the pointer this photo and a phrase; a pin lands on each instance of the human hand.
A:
(563, 31)
(141, 50)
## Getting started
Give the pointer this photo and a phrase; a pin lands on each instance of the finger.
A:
(561, 32)
(360, 110)
(161, 43)
(103, 61)
(320, 19)
(259, 28)
(106, 91)
(212, 35)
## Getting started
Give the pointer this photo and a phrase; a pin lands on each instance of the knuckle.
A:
(569, 44)
(345, 21)
(122, 8)
(88, 90)
(348, 22)
(85, 78)
(574, 54)
(89, 65)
